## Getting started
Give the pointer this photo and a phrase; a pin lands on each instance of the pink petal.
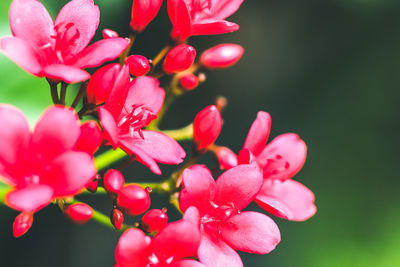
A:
(258, 135)
(22, 53)
(133, 249)
(251, 232)
(198, 189)
(29, 199)
(187, 263)
(146, 90)
(90, 137)
(69, 173)
(85, 15)
(109, 127)
(222, 9)
(238, 186)
(56, 131)
(212, 27)
(101, 51)
(215, 252)
(287, 199)
(117, 97)
(30, 21)
(179, 15)
(101, 83)
(143, 12)
(283, 157)
(69, 74)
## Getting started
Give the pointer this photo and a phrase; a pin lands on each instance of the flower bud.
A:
(90, 137)
(138, 65)
(101, 83)
(180, 58)
(188, 82)
(133, 199)
(107, 34)
(206, 127)
(79, 213)
(221, 56)
(92, 186)
(154, 220)
(143, 12)
(22, 224)
(113, 181)
(226, 157)
(117, 218)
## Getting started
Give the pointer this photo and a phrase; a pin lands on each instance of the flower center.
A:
(137, 118)
(67, 35)
(220, 215)
(275, 165)
(154, 261)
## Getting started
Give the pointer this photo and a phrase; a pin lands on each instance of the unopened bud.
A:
(221, 102)
(92, 186)
(79, 213)
(107, 34)
(206, 127)
(133, 199)
(221, 56)
(226, 157)
(202, 77)
(113, 181)
(138, 65)
(22, 224)
(180, 58)
(154, 220)
(188, 82)
(117, 218)
(90, 137)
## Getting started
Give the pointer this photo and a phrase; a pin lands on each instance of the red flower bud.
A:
(226, 157)
(180, 58)
(117, 218)
(22, 223)
(138, 65)
(206, 127)
(221, 56)
(101, 83)
(113, 181)
(133, 199)
(79, 212)
(188, 82)
(92, 186)
(90, 137)
(107, 34)
(154, 220)
(143, 12)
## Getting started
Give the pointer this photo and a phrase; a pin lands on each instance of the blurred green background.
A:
(327, 70)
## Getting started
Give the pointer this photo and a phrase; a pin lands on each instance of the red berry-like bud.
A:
(188, 82)
(138, 65)
(107, 34)
(154, 220)
(90, 137)
(101, 83)
(221, 56)
(206, 127)
(180, 58)
(79, 213)
(226, 157)
(113, 181)
(143, 12)
(133, 199)
(117, 218)
(22, 223)
(92, 186)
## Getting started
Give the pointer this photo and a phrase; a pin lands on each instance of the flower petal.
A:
(212, 27)
(85, 16)
(22, 53)
(69, 74)
(101, 51)
(283, 157)
(90, 137)
(109, 127)
(258, 135)
(251, 232)
(222, 9)
(133, 249)
(117, 96)
(238, 186)
(198, 189)
(29, 199)
(180, 18)
(187, 263)
(287, 199)
(30, 21)
(215, 252)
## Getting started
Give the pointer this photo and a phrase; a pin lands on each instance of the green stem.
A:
(63, 92)
(157, 59)
(125, 54)
(82, 89)
(53, 91)
(185, 133)
(3, 191)
(107, 158)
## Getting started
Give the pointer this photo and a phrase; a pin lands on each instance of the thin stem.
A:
(126, 52)
(156, 60)
(63, 92)
(3, 191)
(82, 89)
(53, 91)
(185, 133)
(107, 158)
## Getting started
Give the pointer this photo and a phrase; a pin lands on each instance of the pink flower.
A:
(143, 12)
(130, 107)
(224, 227)
(201, 17)
(44, 164)
(58, 50)
(170, 247)
(279, 161)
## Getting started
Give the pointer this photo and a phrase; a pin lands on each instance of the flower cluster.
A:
(120, 107)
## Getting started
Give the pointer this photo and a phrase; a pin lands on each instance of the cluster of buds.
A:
(122, 105)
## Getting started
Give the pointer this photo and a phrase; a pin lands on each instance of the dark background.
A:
(325, 69)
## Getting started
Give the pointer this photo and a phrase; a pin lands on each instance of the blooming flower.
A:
(130, 107)
(201, 17)
(58, 50)
(224, 227)
(170, 247)
(44, 164)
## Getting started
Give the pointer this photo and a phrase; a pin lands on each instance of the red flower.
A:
(44, 164)
(224, 227)
(58, 50)
(143, 12)
(130, 107)
(178, 240)
(202, 17)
